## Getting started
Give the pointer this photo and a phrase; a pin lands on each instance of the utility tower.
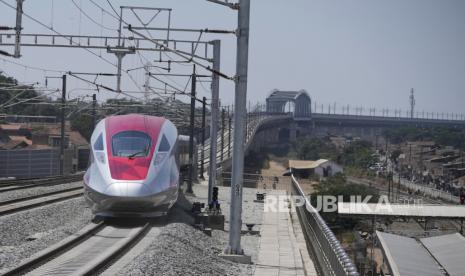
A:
(412, 103)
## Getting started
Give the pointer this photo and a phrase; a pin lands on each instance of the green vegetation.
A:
(20, 93)
(315, 148)
(339, 187)
(440, 135)
(358, 154)
(83, 124)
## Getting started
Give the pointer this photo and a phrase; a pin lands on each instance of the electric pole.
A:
(62, 138)
(235, 224)
(18, 28)
(191, 136)
(94, 106)
(120, 52)
(147, 81)
(215, 86)
(229, 134)
(202, 154)
(222, 134)
(412, 103)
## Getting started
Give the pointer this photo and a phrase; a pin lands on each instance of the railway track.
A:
(20, 204)
(88, 252)
(18, 184)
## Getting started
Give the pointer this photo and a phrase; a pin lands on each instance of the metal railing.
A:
(322, 244)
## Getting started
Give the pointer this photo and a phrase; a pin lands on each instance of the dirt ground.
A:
(276, 169)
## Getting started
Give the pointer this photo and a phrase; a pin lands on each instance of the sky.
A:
(366, 53)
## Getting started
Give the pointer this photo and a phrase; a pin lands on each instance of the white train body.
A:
(134, 166)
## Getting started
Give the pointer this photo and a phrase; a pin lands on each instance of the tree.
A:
(83, 124)
(20, 93)
(315, 148)
(358, 154)
(446, 136)
(338, 187)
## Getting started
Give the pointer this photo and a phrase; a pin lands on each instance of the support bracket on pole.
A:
(120, 52)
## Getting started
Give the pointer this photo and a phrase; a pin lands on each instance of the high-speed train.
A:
(134, 166)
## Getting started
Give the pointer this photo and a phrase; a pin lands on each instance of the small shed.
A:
(321, 167)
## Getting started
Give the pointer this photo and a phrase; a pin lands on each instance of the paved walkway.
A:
(280, 252)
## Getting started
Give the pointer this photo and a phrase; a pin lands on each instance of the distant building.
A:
(321, 167)
(21, 147)
(14, 136)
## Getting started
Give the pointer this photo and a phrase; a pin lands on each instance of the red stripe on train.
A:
(123, 168)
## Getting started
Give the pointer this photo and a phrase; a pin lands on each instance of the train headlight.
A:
(100, 156)
(159, 158)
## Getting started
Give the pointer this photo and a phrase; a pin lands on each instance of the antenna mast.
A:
(412, 103)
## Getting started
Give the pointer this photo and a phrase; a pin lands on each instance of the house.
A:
(321, 167)
(14, 144)
(15, 130)
(14, 136)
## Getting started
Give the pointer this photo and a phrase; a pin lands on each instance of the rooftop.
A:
(306, 164)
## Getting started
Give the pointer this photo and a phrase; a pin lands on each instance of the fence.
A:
(431, 192)
(34, 163)
(321, 242)
(258, 181)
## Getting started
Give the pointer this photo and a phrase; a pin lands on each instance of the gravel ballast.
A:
(4, 196)
(25, 233)
(181, 249)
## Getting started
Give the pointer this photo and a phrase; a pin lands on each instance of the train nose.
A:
(127, 190)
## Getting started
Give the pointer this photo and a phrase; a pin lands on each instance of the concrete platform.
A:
(280, 252)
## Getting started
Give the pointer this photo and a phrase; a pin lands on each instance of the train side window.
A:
(164, 144)
(98, 145)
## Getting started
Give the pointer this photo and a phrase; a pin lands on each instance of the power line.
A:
(47, 27)
(95, 54)
(29, 99)
(103, 9)
(90, 18)
(32, 67)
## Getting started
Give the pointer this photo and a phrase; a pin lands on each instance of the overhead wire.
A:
(32, 67)
(116, 13)
(29, 99)
(139, 54)
(93, 53)
(174, 51)
(47, 27)
(90, 18)
(158, 70)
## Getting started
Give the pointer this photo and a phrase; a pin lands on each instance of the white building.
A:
(321, 167)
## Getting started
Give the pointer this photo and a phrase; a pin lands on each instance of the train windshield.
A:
(131, 144)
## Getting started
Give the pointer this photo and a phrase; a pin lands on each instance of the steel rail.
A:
(11, 182)
(88, 253)
(16, 205)
(11, 201)
(12, 185)
(55, 250)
